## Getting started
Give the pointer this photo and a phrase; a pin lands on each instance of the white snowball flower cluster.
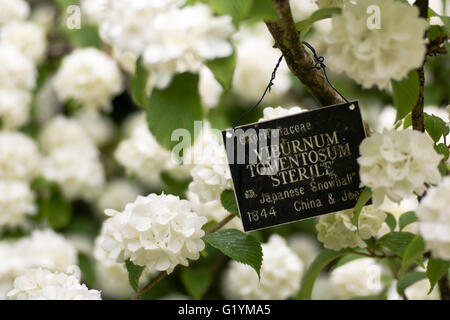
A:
(22, 44)
(210, 90)
(255, 61)
(169, 38)
(45, 249)
(302, 9)
(211, 171)
(14, 111)
(99, 128)
(398, 164)
(157, 231)
(77, 169)
(112, 276)
(17, 78)
(305, 247)
(211, 176)
(44, 14)
(28, 37)
(117, 194)
(281, 272)
(13, 10)
(270, 113)
(71, 160)
(141, 154)
(46, 104)
(19, 157)
(17, 71)
(212, 210)
(95, 10)
(199, 36)
(90, 77)
(16, 203)
(336, 231)
(323, 290)
(42, 284)
(61, 131)
(434, 219)
(357, 278)
(371, 55)
(19, 164)
(125, 25)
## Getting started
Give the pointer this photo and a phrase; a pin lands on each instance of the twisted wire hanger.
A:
(319, 64)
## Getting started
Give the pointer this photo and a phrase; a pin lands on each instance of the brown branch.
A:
(417, 116)
(147, 288)
(444, 287)
(299, 61)
(437, 46)
(220, 224)
(163, 274)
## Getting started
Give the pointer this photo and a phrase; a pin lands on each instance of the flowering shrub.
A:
(113, 172)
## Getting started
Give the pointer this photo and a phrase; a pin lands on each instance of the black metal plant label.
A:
(296, 167)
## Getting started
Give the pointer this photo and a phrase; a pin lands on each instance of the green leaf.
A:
(262, 10)
(435, 126)
(223, 69)
(436, 32)
(446, 21)
(390, 221)
(407, 121)
(139, 84)
(85, 37)
(64, 4)
(396, 241)
(192, 2)
(324, 13)
(413, 251)
(325, 257)
(196, 281)
(83, 223)
(176, 107)
(237, 9)
(441, 148)
(443, 168)
(134, 274)
(364, 197)
(436, 269)
(54, 206)
(238, 246)
(228, 200)
(406, 93)
(87, 269)
(409, 279)
(174, 186)
(406, 218)
(432, 13)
